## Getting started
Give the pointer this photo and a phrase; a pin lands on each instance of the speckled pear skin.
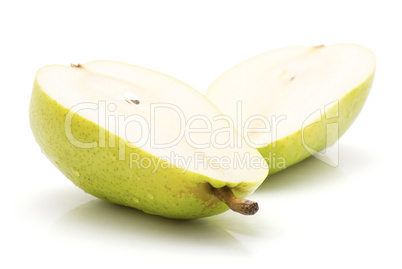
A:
(318, 135)
(167, 192)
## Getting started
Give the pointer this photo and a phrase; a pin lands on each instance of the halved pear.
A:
(293, 102)
(138, 138)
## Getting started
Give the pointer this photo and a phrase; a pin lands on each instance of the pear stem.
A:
(242, 206)
(76, 65)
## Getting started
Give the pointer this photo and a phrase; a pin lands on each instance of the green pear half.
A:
(138, 138)
(293, 102)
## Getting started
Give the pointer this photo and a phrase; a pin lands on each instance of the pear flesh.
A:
(293, 102)
(139, 138)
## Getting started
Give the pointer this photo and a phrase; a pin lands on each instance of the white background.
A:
(311, 215)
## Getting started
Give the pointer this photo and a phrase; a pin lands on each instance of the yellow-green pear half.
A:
(293, 102)
(138, 138)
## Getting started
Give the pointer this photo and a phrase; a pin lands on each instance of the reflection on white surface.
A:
(99, 223)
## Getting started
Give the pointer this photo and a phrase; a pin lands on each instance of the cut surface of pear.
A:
(293, 102)
(139, 138)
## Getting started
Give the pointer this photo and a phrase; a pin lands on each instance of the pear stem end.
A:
(242, 206)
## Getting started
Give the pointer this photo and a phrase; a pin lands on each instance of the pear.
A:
(139, 138)
(293, 102)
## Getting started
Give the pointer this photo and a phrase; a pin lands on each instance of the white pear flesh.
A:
(139, 138)
(293, 102)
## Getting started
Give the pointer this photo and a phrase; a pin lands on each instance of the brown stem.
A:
(76, 65)
(242, 206)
